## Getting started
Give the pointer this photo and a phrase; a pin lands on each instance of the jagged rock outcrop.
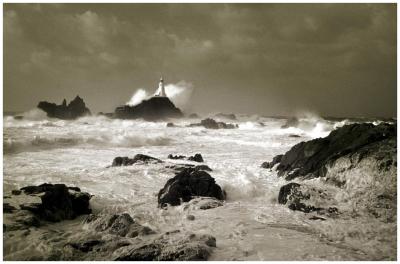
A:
(212, 124)
(196, 157)
(155, 108)
(188, 184)
(356, 141)
(125, 161)
(76, 108)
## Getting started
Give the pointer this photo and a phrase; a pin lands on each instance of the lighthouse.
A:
(161, 88)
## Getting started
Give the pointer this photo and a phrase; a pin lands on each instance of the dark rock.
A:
(202, 167)
(212, 124)
(298, 197)
(170, 124)
(227, 116)
(309, 159)
(170, 156)
(155, 108)
(294, 136)
(16, 192)
(18, 117)
(76, 108)
(188, 184)
(316, 218)
(8, 209)
(275, 160)
(57, 202)
(197, 157)
(125, 161)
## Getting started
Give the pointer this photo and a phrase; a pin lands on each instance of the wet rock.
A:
(294, 136)
(168, 247)
(188, 184)
(212, 124)
(86, 246)
(310, 159)
(121, 225)
(155, 108)
(270, 165)
(7, 208)
(197, 157)
(58, 202)
(170, 156)
(202, 167)
(298, 198)
(76, 108)
(170, 124)
(125, 161)
(16, 192)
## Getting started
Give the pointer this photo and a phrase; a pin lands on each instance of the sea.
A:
(251, 225)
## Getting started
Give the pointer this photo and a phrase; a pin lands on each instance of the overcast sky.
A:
(270, 59)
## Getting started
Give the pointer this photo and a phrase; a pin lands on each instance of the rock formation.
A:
(212, 124)
(76, 108)
(188, 184)
(312, 158)
(125, 161)
(155, 108)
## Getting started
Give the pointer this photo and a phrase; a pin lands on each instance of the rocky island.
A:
(76, 108)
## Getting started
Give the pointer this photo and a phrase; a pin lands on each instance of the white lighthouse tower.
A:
(161, 88)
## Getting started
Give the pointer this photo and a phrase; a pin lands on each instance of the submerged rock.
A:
(76, 108)
(203, 203)
(212, 124)
(357, 141)
(125, 161)
(188, 184)
(155, 108)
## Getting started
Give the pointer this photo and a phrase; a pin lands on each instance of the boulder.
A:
(212, 124)
(357, 141)
(76, 108)
(188, 184)
(197, 157)
(58, 202)
(170, 156)
(155, 108)
(170, 124)
(125, 161)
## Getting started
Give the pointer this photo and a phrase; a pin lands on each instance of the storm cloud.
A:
(269, 59)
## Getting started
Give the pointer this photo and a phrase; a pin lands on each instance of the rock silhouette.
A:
(76, 108)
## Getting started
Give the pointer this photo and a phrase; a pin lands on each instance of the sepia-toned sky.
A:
(270, 59)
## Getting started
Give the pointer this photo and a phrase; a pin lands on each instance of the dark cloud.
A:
(333, 59)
